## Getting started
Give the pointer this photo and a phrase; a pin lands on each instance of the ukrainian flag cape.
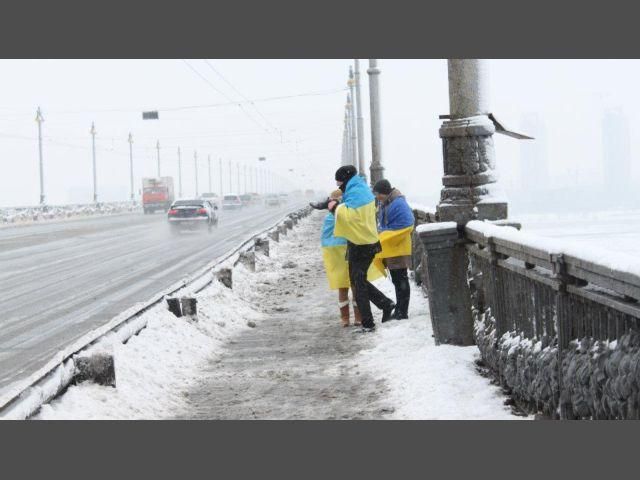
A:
(395, 243)
(334, 250)
(356, 216)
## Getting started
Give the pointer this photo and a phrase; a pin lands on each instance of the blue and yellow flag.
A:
(356, 216)
(334, 250)
(395, 243)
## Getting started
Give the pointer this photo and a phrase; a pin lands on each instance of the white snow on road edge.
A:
(429, 382)
(156, 368)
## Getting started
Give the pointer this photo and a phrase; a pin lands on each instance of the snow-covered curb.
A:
(19, 216)
(156, 367)
(428, 381)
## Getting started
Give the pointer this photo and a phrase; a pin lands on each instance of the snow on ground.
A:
(156, 367)
(429, 382)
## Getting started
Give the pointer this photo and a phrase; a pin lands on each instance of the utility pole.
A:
(376, 169)
(230, 178)
(179, 173)
(209, 165)
(238, 170)
(93, 143)
(245, 179)
(130, 140)
(195, 164)
(352, 112)
(220, 165)
(360, 121)
(39, 120)
(158, 148)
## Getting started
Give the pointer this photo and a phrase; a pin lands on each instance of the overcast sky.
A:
(300, 136)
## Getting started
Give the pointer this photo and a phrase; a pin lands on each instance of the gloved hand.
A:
(324, 205)
(333, 204)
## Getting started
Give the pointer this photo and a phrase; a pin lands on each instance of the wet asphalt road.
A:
(60, 280)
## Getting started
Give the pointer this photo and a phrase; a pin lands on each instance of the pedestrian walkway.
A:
(299, 363)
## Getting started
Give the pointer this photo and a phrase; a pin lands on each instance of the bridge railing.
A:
(558, 323)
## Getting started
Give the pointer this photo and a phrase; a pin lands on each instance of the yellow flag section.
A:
(395, 243)
(358, 225)
(337, 268)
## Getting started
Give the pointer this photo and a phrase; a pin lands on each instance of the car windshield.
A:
(231, 197)
(187, 203)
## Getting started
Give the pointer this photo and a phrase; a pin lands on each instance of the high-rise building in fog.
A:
(534, 170)
(616, 153)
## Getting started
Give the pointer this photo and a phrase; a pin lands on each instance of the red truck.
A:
(157, 194)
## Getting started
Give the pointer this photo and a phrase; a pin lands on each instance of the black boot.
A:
(387, 312)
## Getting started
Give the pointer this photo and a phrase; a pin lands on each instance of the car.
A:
(231, 201)
(192, 213)
(212, 197)
(246, 199)
(272, 200)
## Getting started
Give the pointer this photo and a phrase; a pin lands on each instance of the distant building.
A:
(534, 169)
(616, 152)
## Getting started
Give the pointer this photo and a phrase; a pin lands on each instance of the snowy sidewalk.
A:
(273, 348)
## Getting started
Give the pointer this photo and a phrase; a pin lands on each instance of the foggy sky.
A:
(568, 96)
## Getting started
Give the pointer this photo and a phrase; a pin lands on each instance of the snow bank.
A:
(428, 381)
(156, 367)
(25, 215)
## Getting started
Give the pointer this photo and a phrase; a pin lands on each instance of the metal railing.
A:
(560, 330)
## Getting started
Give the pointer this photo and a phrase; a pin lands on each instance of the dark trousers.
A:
(360, 258)
(400, 280)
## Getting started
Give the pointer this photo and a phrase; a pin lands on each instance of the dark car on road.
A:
(192, 214)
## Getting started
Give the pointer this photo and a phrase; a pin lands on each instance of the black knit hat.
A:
(383, 187)
(346, 173)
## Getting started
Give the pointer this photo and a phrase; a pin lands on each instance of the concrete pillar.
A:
(446, 283)
(289, 224)
(468, 193)
(248, 259)
(376, 169)
(173, 304)
(274, 235)
(225, 277)
(469, 190)
(282, 229)
(261, 245)
(98, 367)
(189, 307)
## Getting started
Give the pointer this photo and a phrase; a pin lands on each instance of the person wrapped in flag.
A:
(355, 220)
(395, 224)
(337, 269)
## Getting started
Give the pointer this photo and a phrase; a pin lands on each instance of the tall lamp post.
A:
(376, 169)
(93, 148)
(360, 121)
(130, 140)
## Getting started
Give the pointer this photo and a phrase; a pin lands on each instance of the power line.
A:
(223, 94)
(239, 93)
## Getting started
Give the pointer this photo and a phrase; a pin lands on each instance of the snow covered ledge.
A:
(556, 322)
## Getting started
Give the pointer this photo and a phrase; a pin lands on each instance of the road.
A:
(60, 280)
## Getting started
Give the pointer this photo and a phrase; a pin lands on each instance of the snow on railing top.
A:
(48, 212)
(606, 268)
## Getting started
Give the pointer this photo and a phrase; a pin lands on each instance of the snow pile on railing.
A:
(18, 215)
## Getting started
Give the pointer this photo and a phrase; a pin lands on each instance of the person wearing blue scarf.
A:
(356, 221)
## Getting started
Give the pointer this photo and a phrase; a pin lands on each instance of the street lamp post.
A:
(376, 169)
(352, 113)
(130, 140)
(195, 165)
(360, 121)
(39, 120)
(230, 178)
(220, 165)
(93, 144)
(158, 149)
(179, 173)
(209, 166)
